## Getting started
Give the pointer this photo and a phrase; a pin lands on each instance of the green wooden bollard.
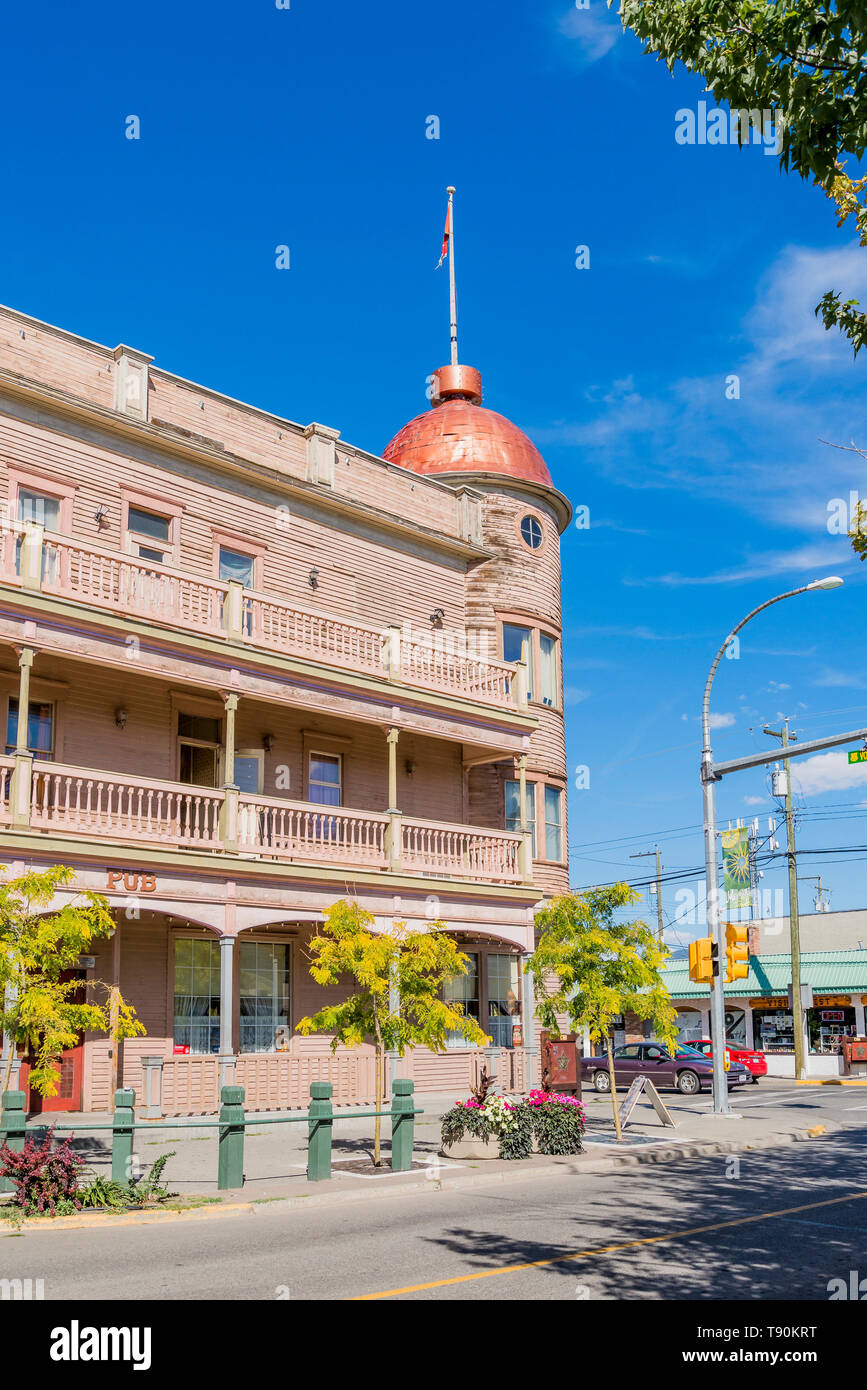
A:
(230, 1166)
(13, 1123)
(319, 1127)
(402, 1125)
(122, 1136)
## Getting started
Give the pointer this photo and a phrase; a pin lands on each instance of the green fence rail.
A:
(231, 1126)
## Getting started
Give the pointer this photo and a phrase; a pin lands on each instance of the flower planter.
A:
(472, 1148)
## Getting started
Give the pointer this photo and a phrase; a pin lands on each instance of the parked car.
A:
(686, 1069)
(755, 1062)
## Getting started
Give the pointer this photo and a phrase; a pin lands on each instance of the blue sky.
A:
(307, 127)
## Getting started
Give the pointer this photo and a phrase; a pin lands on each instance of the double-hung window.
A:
(548, 678)
(40, 728)
(264, 991)
(518, 646)
(554, 824)
(504, 998)
(463, 991)
(149, 535)
(513, 809)
(197, 996)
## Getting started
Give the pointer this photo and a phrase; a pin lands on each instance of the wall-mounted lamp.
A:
(409, 765)
(436, 617)
(313, 578)
(100, 514)
(120, 718)
(268, 741)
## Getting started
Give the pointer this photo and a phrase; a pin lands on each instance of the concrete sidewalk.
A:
(275, 1155)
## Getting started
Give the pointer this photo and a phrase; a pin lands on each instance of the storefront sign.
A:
(769, 1003)
(832, 1001)
(130, 881)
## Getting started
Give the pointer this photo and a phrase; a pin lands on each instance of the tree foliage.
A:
(590, 967)
(400, 976)
(38, 1009)
(803, 61)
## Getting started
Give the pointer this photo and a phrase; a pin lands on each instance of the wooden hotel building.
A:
(248, 669)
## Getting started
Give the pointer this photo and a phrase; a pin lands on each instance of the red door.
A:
(70, 1068)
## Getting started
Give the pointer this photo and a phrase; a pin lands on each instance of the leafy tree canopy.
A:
(38, 1009)
(590, 967)
(399, 974)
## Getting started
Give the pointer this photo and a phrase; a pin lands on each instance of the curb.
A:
(698, 1148)
(834, 1081)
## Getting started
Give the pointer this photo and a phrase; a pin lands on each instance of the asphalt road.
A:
(783, 1224)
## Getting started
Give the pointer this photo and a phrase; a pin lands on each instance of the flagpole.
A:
(452, 292)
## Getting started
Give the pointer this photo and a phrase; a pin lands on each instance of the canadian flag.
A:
(446, 236)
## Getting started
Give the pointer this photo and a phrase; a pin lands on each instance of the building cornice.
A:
(178, 443)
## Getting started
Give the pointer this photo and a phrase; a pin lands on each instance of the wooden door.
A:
(70, 1068)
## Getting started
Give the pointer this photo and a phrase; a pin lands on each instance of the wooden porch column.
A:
(525, 856)
(227, 1001)
(116, 1069)
(394, 834)
(529, 1012)
(229, 813)
(22, 776)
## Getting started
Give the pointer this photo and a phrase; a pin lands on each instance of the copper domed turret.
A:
(459, 435)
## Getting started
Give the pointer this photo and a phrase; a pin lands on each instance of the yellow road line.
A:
(605, 1249)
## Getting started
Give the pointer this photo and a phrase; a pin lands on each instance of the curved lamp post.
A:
(714, 917)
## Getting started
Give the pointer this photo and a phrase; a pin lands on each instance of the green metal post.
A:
(230, 1168)
(12, 1127)
(402, 1125)
(319, 1127)
(122, 1136)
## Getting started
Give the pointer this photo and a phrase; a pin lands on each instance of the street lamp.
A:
(714, 917)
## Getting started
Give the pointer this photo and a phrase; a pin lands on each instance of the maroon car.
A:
(686, 1069)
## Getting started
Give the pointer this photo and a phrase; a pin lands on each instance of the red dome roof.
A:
(458, 436)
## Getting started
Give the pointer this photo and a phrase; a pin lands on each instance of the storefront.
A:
(759, 1014)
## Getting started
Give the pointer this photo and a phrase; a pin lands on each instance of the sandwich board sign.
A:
(639, 1085)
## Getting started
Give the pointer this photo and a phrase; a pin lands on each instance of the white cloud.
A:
(783, 323)
(802, 560)
(722, 721)
(688, 435)
(594, 30)
(827, 772)
(573, 696)
(755, 800)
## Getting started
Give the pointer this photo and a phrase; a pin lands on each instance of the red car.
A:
(755, 1062)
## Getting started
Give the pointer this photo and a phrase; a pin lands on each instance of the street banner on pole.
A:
(736, 867)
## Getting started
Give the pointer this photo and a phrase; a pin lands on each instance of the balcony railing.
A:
(84, 803)
(126, 584)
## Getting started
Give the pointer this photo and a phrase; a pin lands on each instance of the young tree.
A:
(37, 1007)
(803, 61)
(400, 975)
(590, 967)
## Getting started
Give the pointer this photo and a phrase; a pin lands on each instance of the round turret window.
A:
(531, 532)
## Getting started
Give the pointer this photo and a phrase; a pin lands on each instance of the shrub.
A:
(555, 1121)
(105, 1192)
(43, 1174)
(558, 1121)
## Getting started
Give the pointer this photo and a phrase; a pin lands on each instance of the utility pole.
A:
(794, 920)
(646, 854)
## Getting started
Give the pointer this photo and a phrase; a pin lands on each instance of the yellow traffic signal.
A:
(703, 960)
(737, 952)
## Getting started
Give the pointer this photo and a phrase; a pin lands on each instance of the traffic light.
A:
(703, 960)
(737, 952)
